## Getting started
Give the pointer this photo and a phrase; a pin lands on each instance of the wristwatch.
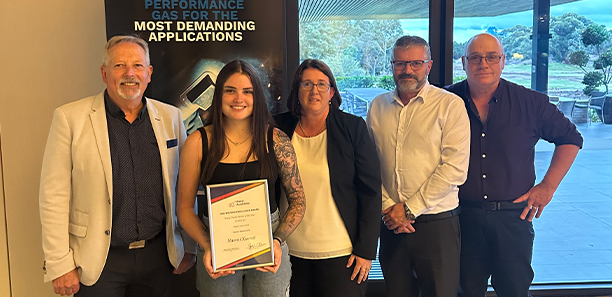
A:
(409, 215)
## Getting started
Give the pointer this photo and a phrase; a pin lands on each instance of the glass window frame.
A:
(441, 17)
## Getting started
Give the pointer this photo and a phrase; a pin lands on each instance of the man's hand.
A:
(188, 261)
(67, 284)
(408, 228)
(278, 253)
(537, 198)
(540, 195)
(394, 218)
(362, 267)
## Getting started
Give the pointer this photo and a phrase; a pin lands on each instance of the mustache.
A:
(407, 75)
(129, 80)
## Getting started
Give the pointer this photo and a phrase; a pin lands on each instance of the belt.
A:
(139, 244)
(438, 216)
(493, 205)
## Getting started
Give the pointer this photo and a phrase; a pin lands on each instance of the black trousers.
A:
(324, 278)
(496, 244)
(144, 272)
(424, 263)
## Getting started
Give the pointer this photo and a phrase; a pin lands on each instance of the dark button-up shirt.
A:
(503, 147)
(138, 201)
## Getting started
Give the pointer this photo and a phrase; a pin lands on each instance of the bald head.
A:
(483, 38)
(483, 62)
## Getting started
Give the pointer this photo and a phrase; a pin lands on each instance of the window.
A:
(576, 249)
(512, 29)
(356, 46)
(574, 235)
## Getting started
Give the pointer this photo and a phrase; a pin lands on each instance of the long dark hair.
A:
(293, 102)
(260, 120)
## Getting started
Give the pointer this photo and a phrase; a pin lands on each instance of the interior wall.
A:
(50, 54)
(5, 288)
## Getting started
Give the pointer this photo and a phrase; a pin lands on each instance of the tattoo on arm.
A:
(292, 184)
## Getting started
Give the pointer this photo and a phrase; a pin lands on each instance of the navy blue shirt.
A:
(503, 147)
(138, 199)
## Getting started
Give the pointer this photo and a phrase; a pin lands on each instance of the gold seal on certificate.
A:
(239, 222)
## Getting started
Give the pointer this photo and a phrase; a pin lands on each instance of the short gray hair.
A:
(407, 41)
(119, 39)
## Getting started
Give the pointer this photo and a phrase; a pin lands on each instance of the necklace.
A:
(309, 136)
(240, 142)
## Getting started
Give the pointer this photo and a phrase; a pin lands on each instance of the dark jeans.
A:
(424, 263)
(324, 278)
(144, 272)
(496, 244)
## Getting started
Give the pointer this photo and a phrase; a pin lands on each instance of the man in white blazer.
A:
(107, 190)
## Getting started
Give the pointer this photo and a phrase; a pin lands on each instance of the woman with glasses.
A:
(333, 248)
(240, 143)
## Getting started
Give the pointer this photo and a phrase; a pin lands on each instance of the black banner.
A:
(191, 40)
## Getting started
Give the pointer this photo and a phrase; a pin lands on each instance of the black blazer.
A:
(354, 172)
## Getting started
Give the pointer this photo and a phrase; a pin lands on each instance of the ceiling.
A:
(324, 10)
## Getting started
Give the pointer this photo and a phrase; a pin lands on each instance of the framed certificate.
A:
(239, 222)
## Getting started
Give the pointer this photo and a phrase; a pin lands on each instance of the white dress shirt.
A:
(424, 148)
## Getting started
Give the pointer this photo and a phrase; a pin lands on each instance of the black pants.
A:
(496, 244)
(325, 277)
(425, 262)
(144, 272)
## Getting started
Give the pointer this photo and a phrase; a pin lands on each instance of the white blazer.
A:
(76, 187)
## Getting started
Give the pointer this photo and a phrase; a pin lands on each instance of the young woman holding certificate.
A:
(240, 143)
(333, 248)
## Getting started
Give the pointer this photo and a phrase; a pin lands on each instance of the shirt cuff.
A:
(416, 204)
(387, 203)
(56, 268)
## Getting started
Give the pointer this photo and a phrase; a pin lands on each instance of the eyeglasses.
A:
(491, 59)
(414, 64)
(321, 86)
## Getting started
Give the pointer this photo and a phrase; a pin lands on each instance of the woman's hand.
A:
(278, 253)
(362, 268)
(209, 268)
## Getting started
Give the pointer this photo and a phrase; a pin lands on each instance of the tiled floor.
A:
(574, 234)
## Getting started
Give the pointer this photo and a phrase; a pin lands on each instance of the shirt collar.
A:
(115, 111)
(466, 91)
(497, 95)
(422, 94)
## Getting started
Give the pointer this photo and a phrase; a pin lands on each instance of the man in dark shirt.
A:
(500, 198)
(107, 191)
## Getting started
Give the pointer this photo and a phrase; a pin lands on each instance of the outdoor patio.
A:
(573, 240)
(574, 234)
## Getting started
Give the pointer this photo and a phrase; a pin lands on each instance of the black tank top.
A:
(233, 172)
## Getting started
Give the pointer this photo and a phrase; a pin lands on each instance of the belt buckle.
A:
(137, 244)
(491, 206)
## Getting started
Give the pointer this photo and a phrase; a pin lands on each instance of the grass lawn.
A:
(560, 76)
(552, 67)
(555, 83)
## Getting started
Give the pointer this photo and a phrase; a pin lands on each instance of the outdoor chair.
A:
(583, 104)
(597, 103)
(567, 107)
(553, 99)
